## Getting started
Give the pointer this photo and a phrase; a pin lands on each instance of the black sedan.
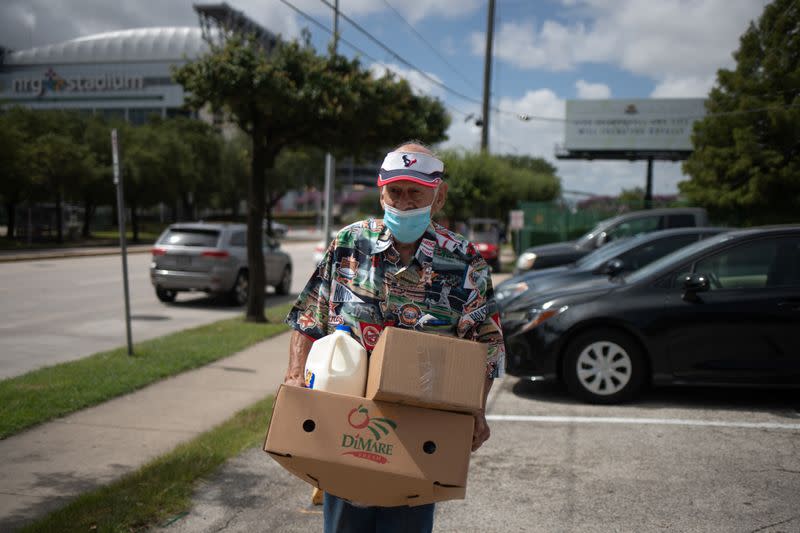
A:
(619, 257)
(724, 310)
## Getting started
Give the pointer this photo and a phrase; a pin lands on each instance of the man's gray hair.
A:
(418, 142)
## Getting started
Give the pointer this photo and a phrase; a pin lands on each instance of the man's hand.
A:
(294, 381)
(481, 433)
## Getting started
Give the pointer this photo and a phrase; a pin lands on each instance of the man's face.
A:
(407, 195)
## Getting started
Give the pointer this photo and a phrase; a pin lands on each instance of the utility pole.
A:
(648, 192)
(487, 77)
(330, 161)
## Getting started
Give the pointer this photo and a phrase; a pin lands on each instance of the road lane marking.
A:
(643, 421)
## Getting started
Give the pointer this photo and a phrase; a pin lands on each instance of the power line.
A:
(429, 45)
(401, 59)
(354, 47)
(520, 116)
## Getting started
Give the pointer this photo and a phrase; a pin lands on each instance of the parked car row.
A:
(606, 231)
(212, 258)
(690, 306)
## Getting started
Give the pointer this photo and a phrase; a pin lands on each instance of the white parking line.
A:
(643, 421)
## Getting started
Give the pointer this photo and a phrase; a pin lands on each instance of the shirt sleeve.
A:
(310, 312)
(483, 323)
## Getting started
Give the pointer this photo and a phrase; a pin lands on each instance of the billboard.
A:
(631, 125)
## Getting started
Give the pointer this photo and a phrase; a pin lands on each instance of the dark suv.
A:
(627, 225)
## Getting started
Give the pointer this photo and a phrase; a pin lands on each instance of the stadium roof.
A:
(134, 45)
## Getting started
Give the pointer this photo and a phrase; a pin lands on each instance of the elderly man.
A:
(402, 271)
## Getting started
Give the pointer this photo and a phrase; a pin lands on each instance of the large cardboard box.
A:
(372, 453)
(427, 370)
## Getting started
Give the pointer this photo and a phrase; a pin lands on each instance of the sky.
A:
(545, 52)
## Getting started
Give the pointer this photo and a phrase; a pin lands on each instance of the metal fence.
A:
(547, 222)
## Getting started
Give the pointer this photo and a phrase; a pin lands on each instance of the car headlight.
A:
(526, 260)
(532, 317)
(511, 290)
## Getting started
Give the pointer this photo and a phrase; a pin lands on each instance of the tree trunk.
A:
(88, 213)
(11, 207)
(255, 224)
(134, 222)
(59, 218)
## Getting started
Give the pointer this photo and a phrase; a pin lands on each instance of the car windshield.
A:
(589, 237)
(601, 255)
(190, 237)
(674, 258)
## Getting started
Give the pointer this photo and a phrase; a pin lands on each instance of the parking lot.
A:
(679, 459)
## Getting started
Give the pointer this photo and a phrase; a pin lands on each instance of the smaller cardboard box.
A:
(427, 370)
(371, 453)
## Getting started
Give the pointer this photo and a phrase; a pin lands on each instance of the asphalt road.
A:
(679, 459)
(58, 310)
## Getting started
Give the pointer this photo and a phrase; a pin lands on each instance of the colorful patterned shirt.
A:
(361, 283)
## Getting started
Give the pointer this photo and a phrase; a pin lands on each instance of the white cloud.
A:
(521, 45)
(687, 87)
(670, 40)
(419, 83)
(411, 11)
(588, 91)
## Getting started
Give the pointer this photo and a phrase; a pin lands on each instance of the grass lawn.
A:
(160, 492)
(58, 390)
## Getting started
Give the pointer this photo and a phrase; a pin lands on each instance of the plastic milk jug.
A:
(337, 363)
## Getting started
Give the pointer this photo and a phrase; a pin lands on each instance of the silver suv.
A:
(212, 257)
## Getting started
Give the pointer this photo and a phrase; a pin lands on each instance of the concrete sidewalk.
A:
(46, 467)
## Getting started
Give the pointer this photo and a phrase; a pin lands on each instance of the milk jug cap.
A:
(343, 328)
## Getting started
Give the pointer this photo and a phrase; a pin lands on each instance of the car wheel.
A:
(604, 366)
(166, 295)
(238, 294)
(286, 282)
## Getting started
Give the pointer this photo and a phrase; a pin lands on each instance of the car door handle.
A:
(790, 305)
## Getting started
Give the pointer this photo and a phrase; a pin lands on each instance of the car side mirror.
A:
(614, 267)
(601, 239)
(694, 283)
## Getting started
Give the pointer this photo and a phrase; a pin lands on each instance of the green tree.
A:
(96, 187)
(483, 185)
(535, 164)
(295, 168)
(633, 198)
(13, 176)
(193, 151)
(746, 157)
(152, 160)
(58, 164)
(234, 173)
(295, 97)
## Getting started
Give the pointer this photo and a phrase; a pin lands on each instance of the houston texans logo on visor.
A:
(421, 168)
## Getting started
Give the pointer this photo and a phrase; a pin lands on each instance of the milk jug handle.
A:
(336, 339)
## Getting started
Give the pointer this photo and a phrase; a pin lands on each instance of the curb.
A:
(62, 254)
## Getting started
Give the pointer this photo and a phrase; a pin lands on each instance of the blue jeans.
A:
(342, 517)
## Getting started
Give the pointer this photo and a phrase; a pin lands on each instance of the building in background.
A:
(121, 74)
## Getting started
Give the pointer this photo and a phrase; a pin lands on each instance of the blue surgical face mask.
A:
(407, 226)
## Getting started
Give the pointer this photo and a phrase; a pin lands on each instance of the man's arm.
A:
(299, 346)
(482, 432)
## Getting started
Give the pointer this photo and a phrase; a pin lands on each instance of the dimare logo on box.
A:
(367, 445)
